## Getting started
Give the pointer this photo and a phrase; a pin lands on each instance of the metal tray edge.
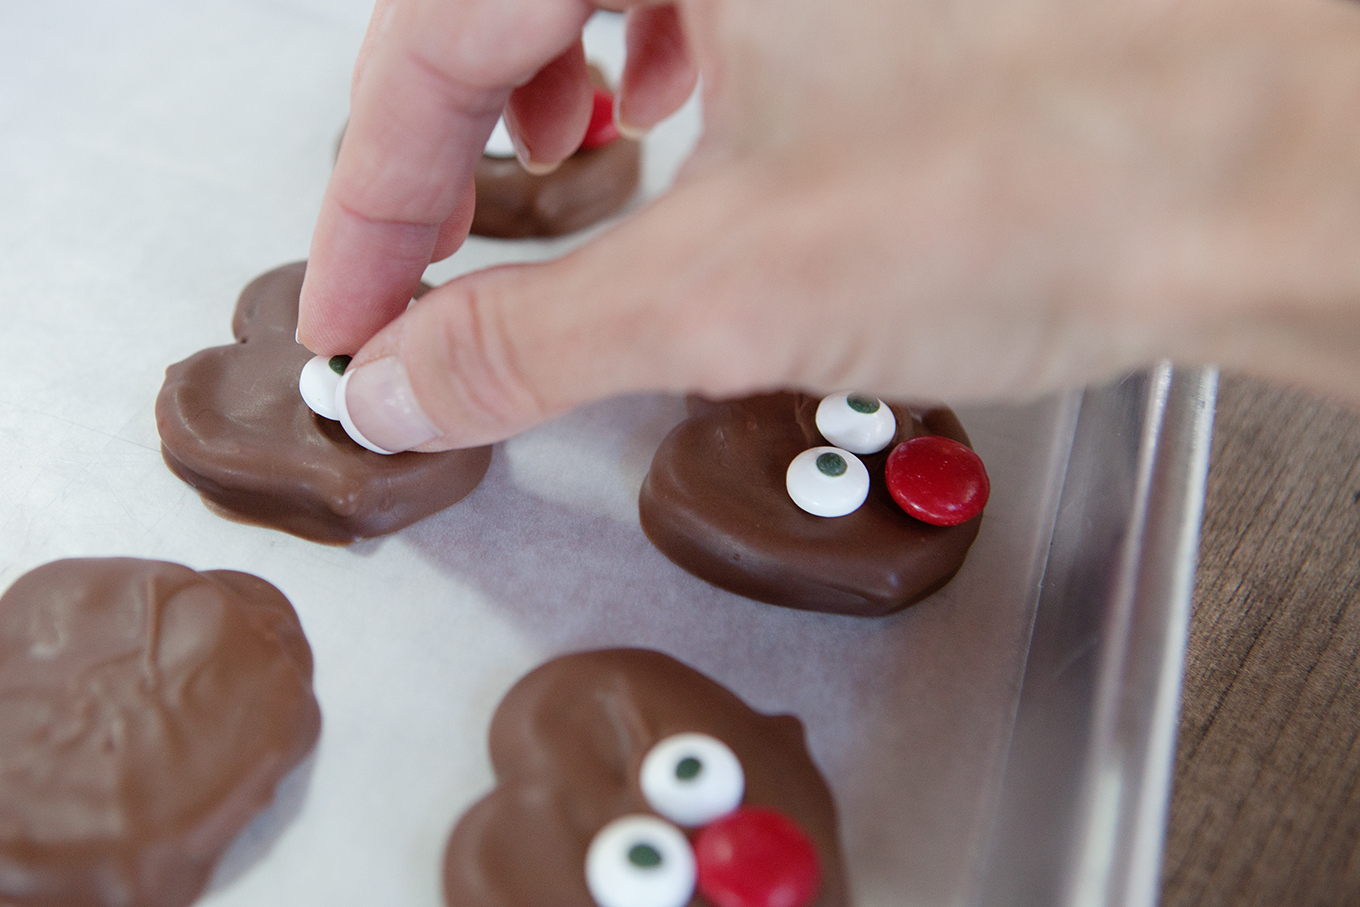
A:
(1082, 806)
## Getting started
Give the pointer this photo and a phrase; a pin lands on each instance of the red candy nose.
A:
(601, 130)
(937, 480)
(756, 857)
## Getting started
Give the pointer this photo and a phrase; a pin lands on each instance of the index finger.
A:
(434, 77)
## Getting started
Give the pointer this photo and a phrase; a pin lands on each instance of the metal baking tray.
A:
(1082, 812)
(1006, 741)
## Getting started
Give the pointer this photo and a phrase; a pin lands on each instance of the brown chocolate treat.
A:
(568, 744)
(234, 426)
(715, 502)
(147, 713)
(588, 187)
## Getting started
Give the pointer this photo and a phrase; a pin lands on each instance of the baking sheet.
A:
(154, 157)
(1082, 816)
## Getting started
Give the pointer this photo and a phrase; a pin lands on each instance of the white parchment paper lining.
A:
(157, 155)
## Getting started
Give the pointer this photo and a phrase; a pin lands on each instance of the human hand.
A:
(981, 202)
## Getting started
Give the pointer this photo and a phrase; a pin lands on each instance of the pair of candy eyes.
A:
(646, 861)
(936, 480)
(831, 481)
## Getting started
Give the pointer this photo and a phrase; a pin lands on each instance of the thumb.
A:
(673, 299)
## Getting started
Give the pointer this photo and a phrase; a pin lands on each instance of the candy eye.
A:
(692, 779)
(827, 481)
(317, 383)
(855, 422)
(640, 861)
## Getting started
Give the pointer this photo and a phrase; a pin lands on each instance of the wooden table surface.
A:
(1265, 807)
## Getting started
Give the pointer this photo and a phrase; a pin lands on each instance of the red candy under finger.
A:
(937, 480)
(601, 130)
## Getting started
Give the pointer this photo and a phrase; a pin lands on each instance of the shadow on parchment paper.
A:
(257, 839)
(886, 702)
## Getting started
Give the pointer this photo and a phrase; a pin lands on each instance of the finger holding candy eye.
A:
(827, 481)
(856, 422)
(322, 386)
(318, 381)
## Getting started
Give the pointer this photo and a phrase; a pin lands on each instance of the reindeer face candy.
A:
(847, 504)
(626, 779)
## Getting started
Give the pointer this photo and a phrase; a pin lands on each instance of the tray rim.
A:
(1081, 812)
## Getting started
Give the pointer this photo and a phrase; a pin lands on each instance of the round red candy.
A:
(756, 857)
(937, 480)
(601, 130)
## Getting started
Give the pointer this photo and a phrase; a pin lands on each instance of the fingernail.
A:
(379, 410)
(636, 133)
(536, 169)
(527, 162)
(626, 129)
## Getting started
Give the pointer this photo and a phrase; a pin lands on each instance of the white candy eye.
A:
(317, 383)
(499, 144)
(827, 481)
(692, 779)
(856, 422)
(640, 861)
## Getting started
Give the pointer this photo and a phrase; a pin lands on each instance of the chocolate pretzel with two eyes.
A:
(717, 501)
(626, 779)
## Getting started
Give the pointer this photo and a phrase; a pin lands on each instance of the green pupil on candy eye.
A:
(688, 768)
(830, 464)
(861, 404)
(338, 364)
(644, 855)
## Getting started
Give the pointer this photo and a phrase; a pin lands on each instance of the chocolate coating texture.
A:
(715, 502)
(233, 425)
(587, 187)
(147, 712)
(567, 745)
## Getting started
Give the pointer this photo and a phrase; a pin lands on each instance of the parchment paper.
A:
(157, 155)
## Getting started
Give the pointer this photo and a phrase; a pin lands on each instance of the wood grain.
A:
(1266, 800)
